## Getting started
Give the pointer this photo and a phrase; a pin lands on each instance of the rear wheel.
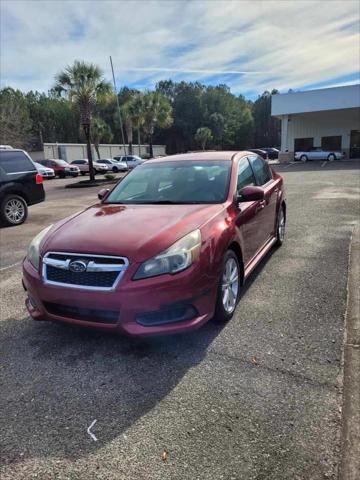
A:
(229, 288)
(281, 227)
(13, 210)
(304, 158)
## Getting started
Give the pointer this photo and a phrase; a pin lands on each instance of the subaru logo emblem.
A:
(77, 266)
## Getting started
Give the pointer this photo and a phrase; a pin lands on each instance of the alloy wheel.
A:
(281, 226)
(230, 285)
(14, 210)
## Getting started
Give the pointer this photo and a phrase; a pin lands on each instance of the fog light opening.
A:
(169, 315)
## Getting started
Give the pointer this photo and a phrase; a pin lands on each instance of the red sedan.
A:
(167, 249)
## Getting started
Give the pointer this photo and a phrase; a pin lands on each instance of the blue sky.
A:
(251, 46)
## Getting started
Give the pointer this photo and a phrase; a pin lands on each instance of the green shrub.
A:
(110, 176)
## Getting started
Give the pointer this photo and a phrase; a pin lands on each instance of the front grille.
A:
(88, 279)
(86, 314)
(98, 272)
(78, 256)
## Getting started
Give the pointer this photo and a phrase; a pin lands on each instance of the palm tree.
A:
(202, 136)
(157, 111)
(135, 111)
(128, 124)
(83, 84)
(100, 132)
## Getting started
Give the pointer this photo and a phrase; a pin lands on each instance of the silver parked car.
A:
(114, 165)
(132, 161)
(83, 166)
(46, 172)
(319, 154)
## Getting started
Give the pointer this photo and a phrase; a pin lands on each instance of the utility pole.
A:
(118, 106)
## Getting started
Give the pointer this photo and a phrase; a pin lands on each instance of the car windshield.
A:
(62, 163)
(179, 182)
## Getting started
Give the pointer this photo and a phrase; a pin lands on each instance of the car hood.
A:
(137, 232)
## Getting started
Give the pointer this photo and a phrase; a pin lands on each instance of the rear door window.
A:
(261, 170)
(15, 162)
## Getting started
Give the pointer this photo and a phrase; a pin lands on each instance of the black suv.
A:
(20, 185)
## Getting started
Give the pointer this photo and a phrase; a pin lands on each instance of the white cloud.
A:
(251, 45)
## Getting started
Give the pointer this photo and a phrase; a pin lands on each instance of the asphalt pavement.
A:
(256, 399)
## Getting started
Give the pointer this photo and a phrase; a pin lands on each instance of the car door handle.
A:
(276, 190)
(261, 205)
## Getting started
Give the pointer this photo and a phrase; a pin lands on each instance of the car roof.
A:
(203, 156)
(7, 150)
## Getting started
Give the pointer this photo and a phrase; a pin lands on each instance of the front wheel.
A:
(115, 169)
(304, 158)
(331, 157)
(229, 287)
(13, 210)
(281, 227)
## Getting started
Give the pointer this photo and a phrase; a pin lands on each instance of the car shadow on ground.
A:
(58, 379)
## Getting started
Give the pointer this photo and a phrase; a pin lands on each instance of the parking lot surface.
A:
(257, 398)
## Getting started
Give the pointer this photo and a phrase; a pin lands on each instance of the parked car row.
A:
(21, 179)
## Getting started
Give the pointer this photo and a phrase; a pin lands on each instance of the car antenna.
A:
(118, 106)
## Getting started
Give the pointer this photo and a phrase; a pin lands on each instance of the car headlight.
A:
(33, 253)
(173, 260)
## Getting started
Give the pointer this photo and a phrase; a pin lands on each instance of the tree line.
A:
(183, 115)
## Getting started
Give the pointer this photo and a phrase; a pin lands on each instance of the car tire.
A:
(13, 210)
(331, 157)
(304, 158)
(83, 173)
(280, 227)
(62, 175)
(115, 169)
(229, 290)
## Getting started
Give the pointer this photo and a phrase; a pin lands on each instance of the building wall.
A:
(316, 100)
(77, 151)
(319, 124)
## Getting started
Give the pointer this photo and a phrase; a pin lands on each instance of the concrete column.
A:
(284, 133)
(284, 155)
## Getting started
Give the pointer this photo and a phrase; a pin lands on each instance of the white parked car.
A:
(83, 166)
(114, 165)
(319, 154)
(46, 172)
(132, 161)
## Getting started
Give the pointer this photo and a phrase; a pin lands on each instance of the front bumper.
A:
(125, 308)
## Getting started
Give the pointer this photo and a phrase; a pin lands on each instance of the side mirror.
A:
(251, 194)
(103, 192)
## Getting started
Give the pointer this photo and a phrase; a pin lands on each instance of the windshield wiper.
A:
(162, 202)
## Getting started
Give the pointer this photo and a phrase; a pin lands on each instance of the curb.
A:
(350, 433)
